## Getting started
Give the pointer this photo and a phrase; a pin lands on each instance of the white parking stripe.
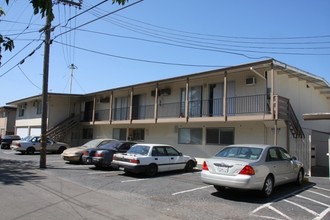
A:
(302, 207)
(320, 194)
(323, 214)
(190, 190)
(136, 180)
(316, 187)
(280, 213)
(313, 200)
(96, 172)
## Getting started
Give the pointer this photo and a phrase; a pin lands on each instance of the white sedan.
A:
(30, 144)
(153, 158)
(252, 167)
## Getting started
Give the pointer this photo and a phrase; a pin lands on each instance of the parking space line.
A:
(302, 207)
(135, 180)
(316, 187)
(97, 172)
(320, 194)
(191, 190)
(313, 200)
(278, 212)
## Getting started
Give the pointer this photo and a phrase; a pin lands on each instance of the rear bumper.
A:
(238, 181)
(130, 168)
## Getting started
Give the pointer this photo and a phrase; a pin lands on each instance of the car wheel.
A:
(61, 149)
(151, 170)
(267, 190)
(30, 150)
(189, 166)
(300, 177)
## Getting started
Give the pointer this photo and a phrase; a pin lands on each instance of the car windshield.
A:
(251, 153)
(139, 149)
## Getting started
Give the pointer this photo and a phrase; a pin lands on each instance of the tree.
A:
(43, 7)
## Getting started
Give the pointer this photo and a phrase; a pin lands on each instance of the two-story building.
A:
(261, 102)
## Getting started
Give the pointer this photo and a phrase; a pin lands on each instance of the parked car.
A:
(31, 144)
(7, 140)
(252, 167)
(153, 158)
(74, 154)
(102, 156)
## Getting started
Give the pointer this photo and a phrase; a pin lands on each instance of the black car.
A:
(102, 156)
(7, 140)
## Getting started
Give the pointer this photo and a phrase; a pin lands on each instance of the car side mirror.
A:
(293, 158)
(180, 154)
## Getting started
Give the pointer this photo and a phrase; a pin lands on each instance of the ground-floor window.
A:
(190, 135)
(119, 133)
(224, 136)
(87, 133)
(136, 134)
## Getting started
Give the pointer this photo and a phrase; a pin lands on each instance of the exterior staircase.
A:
(60, 131)
(286, 112)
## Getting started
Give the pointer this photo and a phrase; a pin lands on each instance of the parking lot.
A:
(182, 195)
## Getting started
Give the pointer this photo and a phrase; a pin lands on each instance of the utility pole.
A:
(72, 67)
(44, 116)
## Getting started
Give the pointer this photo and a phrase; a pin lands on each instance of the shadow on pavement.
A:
(14, 172)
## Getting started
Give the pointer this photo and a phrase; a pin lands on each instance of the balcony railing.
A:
(255, 104)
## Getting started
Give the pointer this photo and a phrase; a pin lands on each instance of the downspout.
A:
(186, 111)
(131, 107)
(225, 96)
(93, 112)
(156, 104)
(110, 107)
(275, 117)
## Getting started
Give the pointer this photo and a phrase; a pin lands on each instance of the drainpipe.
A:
(156, 104)
(186, 111)
(131, 107)
(93, 112)
(110, 107)
(225, 96)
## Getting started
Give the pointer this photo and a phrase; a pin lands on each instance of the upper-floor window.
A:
(39, 108)
(21, 112)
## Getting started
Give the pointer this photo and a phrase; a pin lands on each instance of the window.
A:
(284, 154)
(224, 136)
(39, 108)
(119, 133)
(136, 134)
(87, 133)
(190, 136)
(21, 112)
(272, 155)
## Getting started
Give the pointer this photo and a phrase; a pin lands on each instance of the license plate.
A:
(223, 169)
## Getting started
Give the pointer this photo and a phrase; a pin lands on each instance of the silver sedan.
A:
(252, 167)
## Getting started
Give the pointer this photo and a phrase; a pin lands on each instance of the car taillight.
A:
(247, 170)
(99, 154)
(134, 161)
(205, 167)
(85, 153)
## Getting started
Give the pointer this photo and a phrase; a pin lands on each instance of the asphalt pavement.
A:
(27, 192)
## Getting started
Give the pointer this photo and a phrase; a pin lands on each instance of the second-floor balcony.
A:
(234, 106)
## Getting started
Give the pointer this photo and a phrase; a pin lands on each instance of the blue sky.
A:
(158, 39)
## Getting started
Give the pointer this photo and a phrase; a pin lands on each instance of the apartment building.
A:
(261, 102)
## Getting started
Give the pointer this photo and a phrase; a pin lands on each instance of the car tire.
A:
(189, 166)
(30, 150)
(151, 170)
(300, 177)
(268, 187)
(61, 149)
